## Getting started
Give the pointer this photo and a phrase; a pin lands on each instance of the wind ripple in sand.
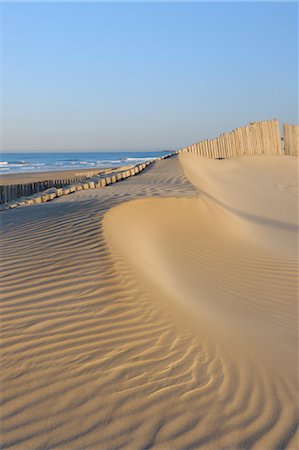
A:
(198, 266)
(97, 356)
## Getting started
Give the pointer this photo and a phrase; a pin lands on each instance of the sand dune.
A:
(166, 322)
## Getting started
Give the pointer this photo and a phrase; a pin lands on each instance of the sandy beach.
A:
(158, 312)
(16, 178)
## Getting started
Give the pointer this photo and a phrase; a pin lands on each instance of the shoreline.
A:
(30, 177)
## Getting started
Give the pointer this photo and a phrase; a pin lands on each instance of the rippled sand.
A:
(169, 322)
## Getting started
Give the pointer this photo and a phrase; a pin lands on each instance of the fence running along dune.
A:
(258, 138)
(291, 139)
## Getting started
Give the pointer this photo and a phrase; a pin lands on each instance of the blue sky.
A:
(142, 76)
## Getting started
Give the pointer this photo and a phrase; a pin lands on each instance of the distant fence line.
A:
(258, 138)
(13, 191)
(291, 139)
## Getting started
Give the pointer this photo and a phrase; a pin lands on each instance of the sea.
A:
(43, 162)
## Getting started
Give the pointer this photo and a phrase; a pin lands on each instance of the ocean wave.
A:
(141, 159)
(28, 167)
(16, 165)
(110, 161)
(41, 162)
(20, 163)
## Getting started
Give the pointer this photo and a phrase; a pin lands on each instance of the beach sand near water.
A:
(23, 178)
(158, 312)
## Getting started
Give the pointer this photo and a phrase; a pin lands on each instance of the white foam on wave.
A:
(141, 159)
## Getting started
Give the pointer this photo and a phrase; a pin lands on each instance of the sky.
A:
(142, 76)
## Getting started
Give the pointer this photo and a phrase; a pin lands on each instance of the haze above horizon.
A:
(142, 76)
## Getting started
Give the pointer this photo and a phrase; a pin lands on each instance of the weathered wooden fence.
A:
(258, 138)
(13, 191)
(291, 139)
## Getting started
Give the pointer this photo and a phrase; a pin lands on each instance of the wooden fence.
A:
(291, 139)
(258, 138)
(13, 191)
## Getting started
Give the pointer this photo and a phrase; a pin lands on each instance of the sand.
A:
(158, 312)
(22, 178)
